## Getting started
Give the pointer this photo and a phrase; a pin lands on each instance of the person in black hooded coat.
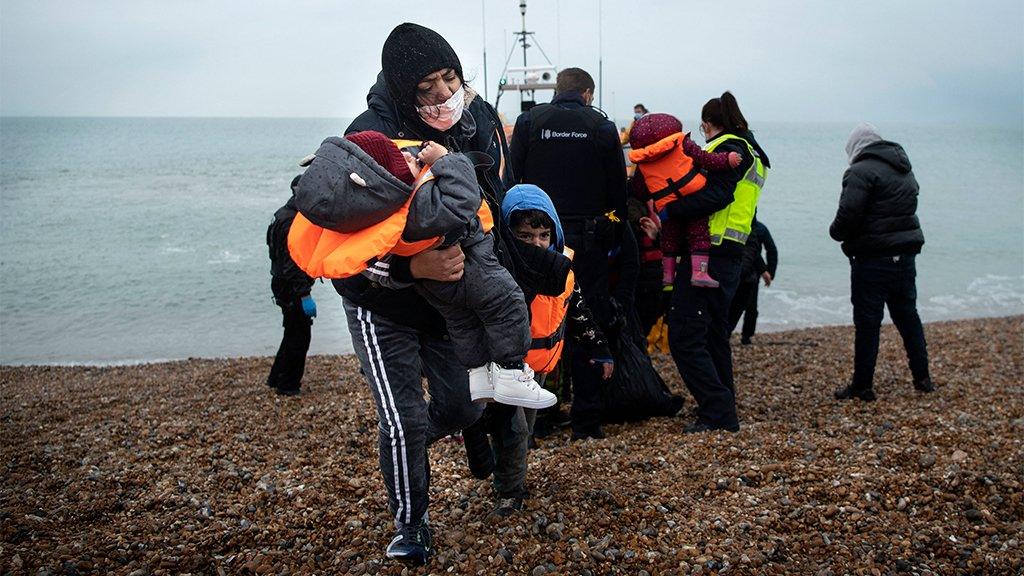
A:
(398, 337)
(291, 288)
(881, 235)
(753, 269)
(698, 318)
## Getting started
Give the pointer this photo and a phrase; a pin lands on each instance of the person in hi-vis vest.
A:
(698, 318)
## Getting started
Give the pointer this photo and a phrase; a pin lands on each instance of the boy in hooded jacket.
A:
(530, 217)
(542, 268)
(364, 186)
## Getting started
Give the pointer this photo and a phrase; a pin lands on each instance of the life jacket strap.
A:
(550, 341)
(674, 186)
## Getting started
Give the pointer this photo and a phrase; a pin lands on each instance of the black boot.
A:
(849, 392)
(478, 450)
(698, 427)
(924, 385)
(583, 432)
(542, 428)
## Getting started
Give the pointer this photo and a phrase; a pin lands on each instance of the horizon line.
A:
(169, 117)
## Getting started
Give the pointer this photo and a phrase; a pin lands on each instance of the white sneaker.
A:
(481, 387)
(518, 388)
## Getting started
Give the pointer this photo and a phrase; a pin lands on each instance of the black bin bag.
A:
(636, 391)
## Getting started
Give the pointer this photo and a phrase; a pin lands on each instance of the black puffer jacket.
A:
(289, 281)
(478, 134)
(877, 210)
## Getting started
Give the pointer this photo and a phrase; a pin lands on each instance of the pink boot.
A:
(699, 272)
(668, 270)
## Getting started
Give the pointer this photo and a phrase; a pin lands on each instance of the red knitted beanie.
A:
(653, 127)
(384, 152)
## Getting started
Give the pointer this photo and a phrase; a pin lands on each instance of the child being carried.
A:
(374, 199)
(669, 166)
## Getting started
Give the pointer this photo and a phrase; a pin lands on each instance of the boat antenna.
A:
(522, 40)
(600, 59)
(483, 28)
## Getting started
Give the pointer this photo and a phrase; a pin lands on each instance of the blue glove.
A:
(309, 306)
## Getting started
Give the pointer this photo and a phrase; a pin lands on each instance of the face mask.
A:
(638, 116)
(444, 116)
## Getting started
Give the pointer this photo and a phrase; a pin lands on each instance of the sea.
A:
(126, 240)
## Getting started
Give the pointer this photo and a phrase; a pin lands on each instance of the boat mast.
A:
(522, 40)
(528, 79)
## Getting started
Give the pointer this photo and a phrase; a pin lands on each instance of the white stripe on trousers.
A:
(394, 422)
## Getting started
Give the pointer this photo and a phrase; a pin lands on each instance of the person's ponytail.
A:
(732, 118)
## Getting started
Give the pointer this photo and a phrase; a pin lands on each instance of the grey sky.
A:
(887, 61)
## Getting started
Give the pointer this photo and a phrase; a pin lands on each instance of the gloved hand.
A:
(607, 367)
(309, 306)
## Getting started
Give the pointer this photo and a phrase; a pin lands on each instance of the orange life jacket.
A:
(547, 326)
(667, 171)
(323, 253)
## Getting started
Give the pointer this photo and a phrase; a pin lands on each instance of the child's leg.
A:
(498, 303)
(464, 327)
(501, 309)
(700, 246)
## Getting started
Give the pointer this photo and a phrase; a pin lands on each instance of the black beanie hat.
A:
(410, 53)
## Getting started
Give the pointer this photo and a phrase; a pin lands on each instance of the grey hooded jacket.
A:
(345, 190)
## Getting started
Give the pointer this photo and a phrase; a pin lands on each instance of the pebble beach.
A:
(197, 467)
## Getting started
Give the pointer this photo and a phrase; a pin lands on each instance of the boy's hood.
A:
(531, 197)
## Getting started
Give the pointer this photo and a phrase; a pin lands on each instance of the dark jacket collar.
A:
(569, 97)
(888, 152)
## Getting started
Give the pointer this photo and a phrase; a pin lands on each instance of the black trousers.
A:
(744, 303)
(290, 362)
(590, 265)
(591, 243)
(698, 337)
(650, 303)
(587, 409)
(874, 284)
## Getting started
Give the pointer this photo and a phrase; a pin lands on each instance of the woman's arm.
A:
(717, 193)
(715, 161)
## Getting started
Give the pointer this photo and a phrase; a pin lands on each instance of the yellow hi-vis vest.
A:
(733, 221)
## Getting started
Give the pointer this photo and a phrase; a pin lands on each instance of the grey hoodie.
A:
(861, 137)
